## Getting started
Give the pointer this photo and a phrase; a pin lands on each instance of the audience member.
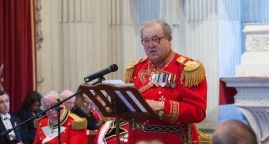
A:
(72, 127)
(234, 132)
(83, 109)
(8, 121)
(69, 104)
(30, 107)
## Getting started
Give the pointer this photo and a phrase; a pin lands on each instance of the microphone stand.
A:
(99, 80)
(115, 111)
(58, 109)
(55, 106)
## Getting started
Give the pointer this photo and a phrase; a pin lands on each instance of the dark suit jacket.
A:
(5, 139)
(28, 129)
(91, 123)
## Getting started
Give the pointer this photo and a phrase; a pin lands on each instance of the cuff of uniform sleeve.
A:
(171, 111)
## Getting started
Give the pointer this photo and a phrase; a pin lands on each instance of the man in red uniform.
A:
(72, 127)
(173, 85)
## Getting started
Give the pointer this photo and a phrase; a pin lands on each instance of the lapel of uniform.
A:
(3, 128)
(14, 123)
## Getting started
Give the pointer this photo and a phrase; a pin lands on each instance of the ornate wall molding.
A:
(255, 43)
(257, 37)
(39, 35)
(39, 40)
(255, 61)
(252, 98)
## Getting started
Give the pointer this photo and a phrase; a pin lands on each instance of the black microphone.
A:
(101, 73)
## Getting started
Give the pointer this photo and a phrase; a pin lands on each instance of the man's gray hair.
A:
(51, 94)
(167, 30)
(66, 93)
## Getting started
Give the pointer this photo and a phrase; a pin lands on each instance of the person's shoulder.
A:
(132, 64)
(40, 120)
(193, 72)
(14, 117)
(78, 111)
(130, 68)
(78, 122)
(22, 113)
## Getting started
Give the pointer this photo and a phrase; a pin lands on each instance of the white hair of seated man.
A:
(69, 104)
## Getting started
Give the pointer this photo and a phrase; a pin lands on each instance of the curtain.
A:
(17, 50)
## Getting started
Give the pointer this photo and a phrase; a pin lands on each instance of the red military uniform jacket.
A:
(73, 130)
(181, 84)
(107, 133)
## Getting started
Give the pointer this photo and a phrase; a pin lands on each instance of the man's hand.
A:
(156, 105)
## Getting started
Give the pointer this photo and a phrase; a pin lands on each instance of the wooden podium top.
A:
(124, 101)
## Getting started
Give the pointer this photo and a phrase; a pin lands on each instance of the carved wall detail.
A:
(255, 60)
(39, 35)
(39, 40)
(257, 43)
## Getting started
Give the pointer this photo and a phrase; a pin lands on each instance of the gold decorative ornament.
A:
(193, 73)
(130, 69)
(36, 121)
(78, 123)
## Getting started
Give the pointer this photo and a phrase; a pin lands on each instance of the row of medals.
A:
(162, 79)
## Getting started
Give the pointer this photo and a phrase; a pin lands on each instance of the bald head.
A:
(234, 132)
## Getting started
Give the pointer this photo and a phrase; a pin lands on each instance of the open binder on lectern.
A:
(119, 100)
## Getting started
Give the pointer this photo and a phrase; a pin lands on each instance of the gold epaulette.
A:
(193, 73)
(130, 69)
(36, 121)
(203, 137)
(78, 123)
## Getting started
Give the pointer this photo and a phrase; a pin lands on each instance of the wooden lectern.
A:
(122, 101)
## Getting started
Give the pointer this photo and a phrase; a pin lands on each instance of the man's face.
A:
(35, 106)
(154, 50)
(4, 104)
(69, 104)
(52, 114)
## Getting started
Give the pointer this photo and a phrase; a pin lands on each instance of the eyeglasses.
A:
(69, 103)
(46, 106)
(155, 40)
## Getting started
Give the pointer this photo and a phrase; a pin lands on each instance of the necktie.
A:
(7, 123)
(5, 117)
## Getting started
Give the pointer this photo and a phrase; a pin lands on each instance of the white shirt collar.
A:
(5, 116)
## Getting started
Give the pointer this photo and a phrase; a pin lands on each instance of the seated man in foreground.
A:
(8, 121)
(72, 127)
(234, 132)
